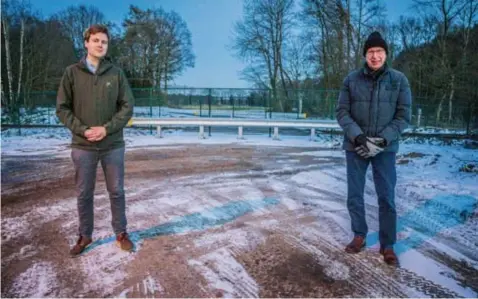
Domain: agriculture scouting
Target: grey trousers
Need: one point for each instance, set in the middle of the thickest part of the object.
(112, 162)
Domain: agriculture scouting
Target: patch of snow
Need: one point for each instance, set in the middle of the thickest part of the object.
(37, 281)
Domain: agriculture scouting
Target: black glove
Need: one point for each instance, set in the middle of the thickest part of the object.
(361, 140)
(368, 147)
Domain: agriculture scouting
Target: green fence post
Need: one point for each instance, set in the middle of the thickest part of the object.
(49, 116)
(200, 106)
(209, 104)
(468, 123)
(270, 111)
(151, 108)
(160, 102)
(264, 96)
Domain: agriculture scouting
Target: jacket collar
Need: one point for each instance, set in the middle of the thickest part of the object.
(375, 75)
(103, 65)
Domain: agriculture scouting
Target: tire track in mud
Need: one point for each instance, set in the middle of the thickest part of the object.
(407, 278)
(226, 274)
(416, 219)
(283, 270)
(420, 221)
(331, 258)
(403, 276)
(363, 277)
(222, 179)
(465, 274)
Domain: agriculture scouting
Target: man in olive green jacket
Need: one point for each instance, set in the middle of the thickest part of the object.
(95, 102)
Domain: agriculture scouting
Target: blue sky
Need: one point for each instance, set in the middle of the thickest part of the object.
(211, 25)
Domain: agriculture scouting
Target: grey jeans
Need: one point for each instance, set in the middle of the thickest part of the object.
(112, 162)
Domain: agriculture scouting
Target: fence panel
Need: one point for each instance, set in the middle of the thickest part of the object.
(38, 108)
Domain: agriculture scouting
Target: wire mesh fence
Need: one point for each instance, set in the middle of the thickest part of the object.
(38, 108)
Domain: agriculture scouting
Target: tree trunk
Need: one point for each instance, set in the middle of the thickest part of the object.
(350, 60)
(450, 98)
(358, 53)
(4, 103)
(274, 95)
(20, 71)
(440, 107)
(166, 82)
(9, 62)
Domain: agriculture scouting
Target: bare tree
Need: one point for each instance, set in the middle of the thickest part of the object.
(157, 45)
(14, 12)
(467, 18)
(6, 36)
(297, 62)
(336, 31)
(20, 64)
(141, 42)
(260, 40)
(28, 42)
(444, 13)
(413, 32)
(75, 19)
(42, 69)
(176, 47)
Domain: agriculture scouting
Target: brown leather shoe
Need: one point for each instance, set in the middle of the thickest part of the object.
(357, 244)
(123, 242)
(80, 246)
(389, 256)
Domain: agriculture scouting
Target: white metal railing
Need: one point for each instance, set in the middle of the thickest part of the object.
(236, 122)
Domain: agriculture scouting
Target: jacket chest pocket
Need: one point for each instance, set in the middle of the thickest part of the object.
(389, 92)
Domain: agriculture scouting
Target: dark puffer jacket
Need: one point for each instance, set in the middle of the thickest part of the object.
(377, 106)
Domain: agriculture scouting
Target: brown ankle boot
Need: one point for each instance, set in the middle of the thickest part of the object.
(357, 244)
(389, 256)
(80, 246)
(123, 242)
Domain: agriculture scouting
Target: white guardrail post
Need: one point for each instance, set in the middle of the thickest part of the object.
(276, 134)
(201, 132)
(239, 133)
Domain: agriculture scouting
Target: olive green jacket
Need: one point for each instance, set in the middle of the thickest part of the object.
(86, 100)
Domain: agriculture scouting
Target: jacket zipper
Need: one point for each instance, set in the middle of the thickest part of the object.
(370, 118)
(377, 91)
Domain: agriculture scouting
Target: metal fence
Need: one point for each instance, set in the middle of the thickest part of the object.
(38, 108)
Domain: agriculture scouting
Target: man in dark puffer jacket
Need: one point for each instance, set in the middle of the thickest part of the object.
(373, 110)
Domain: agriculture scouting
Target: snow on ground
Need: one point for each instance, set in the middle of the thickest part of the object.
(36, 282)
(437, 206)
(56, 140)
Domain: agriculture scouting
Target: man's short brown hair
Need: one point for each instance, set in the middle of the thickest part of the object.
(94, 29)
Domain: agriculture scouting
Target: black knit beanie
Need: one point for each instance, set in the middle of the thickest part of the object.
(375, 40)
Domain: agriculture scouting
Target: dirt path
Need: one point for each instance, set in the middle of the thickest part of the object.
(210, 221)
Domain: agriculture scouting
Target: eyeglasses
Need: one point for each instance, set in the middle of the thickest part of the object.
(378, 52)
